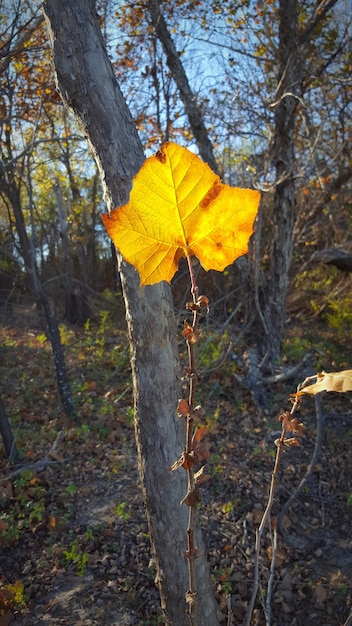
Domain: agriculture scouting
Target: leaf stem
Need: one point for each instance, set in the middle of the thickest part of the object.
(194, 288)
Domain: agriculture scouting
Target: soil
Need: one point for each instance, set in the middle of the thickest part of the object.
(73, 530)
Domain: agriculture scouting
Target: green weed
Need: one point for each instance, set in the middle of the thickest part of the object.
(339, 317)
(71, 489)
(123, 511)
(78, 558)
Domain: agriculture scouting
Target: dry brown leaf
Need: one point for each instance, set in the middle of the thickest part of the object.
(279, 556)
(200, 477)
(5, 619)
(257, 515)
(192, 498)
(183, 408)
(330, 381)
(320, 594)
(3, 526)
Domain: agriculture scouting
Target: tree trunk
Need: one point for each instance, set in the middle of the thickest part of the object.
(288, 93)
(270, 304)
(189, 99)
(88, 87)
(53, 332)
(7, 435)
(10, 188)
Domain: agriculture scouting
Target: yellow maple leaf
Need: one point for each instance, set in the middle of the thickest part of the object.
(177, 208)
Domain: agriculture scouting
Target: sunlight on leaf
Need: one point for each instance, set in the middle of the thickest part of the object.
(330, 381)
(178, 207)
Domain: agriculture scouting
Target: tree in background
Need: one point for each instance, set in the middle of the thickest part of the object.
(271, 85)
(21, 106)
(242, 82)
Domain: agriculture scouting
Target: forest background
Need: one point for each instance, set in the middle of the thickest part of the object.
(262, 92)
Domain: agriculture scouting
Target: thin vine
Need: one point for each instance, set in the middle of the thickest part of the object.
(196, 450)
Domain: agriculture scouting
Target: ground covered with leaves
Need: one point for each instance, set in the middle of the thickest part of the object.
(74, 540)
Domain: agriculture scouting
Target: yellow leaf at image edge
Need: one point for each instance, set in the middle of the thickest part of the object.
(177, 208)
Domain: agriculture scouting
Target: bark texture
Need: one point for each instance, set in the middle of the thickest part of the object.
(88, 87)
(265, 335)
(292, 76)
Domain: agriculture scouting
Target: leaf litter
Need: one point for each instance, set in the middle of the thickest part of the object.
(73, 531)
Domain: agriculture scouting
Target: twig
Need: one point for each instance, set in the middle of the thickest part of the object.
(348, 621)
(261, 530)
(229, 610)
(219, 362)
(316, 453)
(41, 464)
(290, 372)
(282, 443)
(38, 466)
(191, 553)
(271, 580)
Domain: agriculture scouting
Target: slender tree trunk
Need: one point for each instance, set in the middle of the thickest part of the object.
(7, 435)
(88, 87)
(53, 332)
(269, 302)
(288, 93)
(12, 191)
(189, 99)
(293, 41)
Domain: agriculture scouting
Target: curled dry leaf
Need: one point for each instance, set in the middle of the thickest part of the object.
(177, 463)
(194, 554)
(292, 424)
(201, 449)
(200, 477)
(183, 408)
(329, 381)
(198, 413)
(191, 597)
(187, 460)
(199, 434)
(202, 301)
(190, 334)
(292, 441)
(192, 498)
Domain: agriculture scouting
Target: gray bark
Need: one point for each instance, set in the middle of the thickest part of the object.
(266, 331)
(88, 87)
(287, 98)
(292, 71)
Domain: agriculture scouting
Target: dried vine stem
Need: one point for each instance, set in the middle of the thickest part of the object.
(289, 425)
(195, 449)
